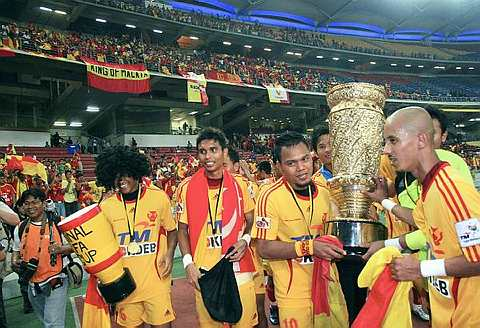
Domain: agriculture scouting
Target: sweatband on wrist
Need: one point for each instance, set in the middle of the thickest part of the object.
(304, 247)
(388, 204)
(395, 242)
(247, 238)
(433, 268)
(187, 260)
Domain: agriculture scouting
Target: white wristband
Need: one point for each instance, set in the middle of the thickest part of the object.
(388, 204)
(247, 238)
(395, 242)
(187, 260)
(433, 268)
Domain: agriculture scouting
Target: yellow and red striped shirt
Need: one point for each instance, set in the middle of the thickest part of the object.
(448, 212)
(277, 217)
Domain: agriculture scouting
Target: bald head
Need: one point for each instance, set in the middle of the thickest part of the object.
(408, 137)
(412, 120)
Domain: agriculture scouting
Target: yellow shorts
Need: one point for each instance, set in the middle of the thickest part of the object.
(259, 280)
(249, 317)
(154, 311)
(296, 317)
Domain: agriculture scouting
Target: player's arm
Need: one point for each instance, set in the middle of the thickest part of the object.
(184, 243)
(380, 195)
(265, 229)
(459, 266)
(7, 215)
(240, 247)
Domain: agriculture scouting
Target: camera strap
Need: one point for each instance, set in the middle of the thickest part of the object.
(42, 234)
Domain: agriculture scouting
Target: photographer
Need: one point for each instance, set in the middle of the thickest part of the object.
(37, 255)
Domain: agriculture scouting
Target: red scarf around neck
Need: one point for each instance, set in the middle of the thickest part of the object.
(233, 217)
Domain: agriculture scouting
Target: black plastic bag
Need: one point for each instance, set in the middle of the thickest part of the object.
(220, 292)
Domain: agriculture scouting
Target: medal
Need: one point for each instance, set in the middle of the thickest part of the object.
(133, 248)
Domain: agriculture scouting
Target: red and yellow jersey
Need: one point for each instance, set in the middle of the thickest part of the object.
(320, 179)
(277, 217)
(209, 248)
(153, 219)
(447, 212)
(386, 168)
(252, 188)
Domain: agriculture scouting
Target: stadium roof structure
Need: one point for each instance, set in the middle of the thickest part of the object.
(433, 20)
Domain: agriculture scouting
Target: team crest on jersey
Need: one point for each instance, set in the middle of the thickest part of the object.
(152, 216)
(263, 222)
(437, 236)
(468, 232)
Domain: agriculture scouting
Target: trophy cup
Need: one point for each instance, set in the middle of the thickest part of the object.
(356, 124)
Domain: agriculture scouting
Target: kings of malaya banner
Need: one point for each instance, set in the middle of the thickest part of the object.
(196, 88)
(277, 94)
(117, 77)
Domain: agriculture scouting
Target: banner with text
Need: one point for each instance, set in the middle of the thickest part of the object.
(277, 94)
(223, 76)
(117, 77)
(197, 88)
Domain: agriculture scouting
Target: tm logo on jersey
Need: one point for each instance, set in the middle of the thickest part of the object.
(214, 240)
(146, 247)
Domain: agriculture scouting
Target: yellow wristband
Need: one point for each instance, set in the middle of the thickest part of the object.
(304, 248)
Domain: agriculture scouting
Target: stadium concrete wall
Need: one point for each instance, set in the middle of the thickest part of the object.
(160, 140)
(24, 138)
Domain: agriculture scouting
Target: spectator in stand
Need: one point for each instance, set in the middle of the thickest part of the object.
(56, 193)
(69, 188)
(133, 143)
(7, 191)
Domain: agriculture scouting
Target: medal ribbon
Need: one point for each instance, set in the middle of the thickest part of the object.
(214, 218)
(310, 197)
(131, 231)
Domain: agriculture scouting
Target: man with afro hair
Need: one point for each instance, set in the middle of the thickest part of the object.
(142, 222)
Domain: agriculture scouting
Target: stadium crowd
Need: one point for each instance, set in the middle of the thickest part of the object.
(125, 49)
(230, 23)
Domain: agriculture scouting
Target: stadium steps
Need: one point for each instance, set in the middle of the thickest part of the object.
(57, 154)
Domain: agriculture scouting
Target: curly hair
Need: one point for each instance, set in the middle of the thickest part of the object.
(120, 161)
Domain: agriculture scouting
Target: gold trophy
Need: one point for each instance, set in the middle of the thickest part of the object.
(356, 131)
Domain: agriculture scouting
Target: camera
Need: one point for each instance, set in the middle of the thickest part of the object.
(49, 205)
(27, 270)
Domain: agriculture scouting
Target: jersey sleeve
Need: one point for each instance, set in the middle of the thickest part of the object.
(266, 218)
(181, 207)
(248, 203)
(419, 217)
(166, 214)
(467, 225)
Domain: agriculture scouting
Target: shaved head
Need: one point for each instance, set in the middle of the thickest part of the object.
(408, 137)
(412, 120)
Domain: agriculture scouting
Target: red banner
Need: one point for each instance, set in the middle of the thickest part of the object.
(117, 77)
(223, 76)
(6, 52)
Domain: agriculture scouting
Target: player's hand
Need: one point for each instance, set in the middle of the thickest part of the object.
(327, 251)
(238, 251)
(373, 248)
(380, 191)
(165, 264)
(405, 268)
(192, 275)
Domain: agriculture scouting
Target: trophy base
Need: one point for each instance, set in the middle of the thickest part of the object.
(118, 290)
(355, 234)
